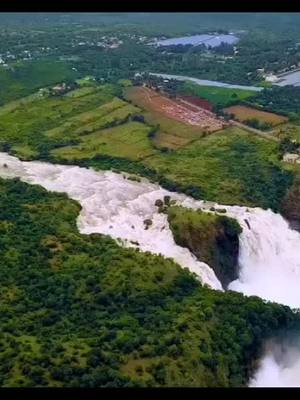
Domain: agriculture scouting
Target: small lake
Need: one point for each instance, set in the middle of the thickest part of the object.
(204, 82)
(290, 79)
(196, 40)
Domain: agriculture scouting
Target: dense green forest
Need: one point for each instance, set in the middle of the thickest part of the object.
(79, 310)
(212, 238)
(76, 37)
(255, 52)
(25, 78)
(284, 100)
(162, 23)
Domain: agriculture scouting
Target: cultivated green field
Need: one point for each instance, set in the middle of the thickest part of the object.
(35, 125)
(170, 133)
(81, 91)
(109, 113)
(217, 95)
(231, 167)
(92, 125)
(128, 140)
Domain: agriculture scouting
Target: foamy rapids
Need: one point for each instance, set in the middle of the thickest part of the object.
(269, 258)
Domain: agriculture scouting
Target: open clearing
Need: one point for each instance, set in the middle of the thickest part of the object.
(289, 130)
(113, 112)
(207, 105)
(171, 134)
(46, 122)
(128, 140)
(229, 166)
(217, 95)
(165, 140)
(243, 113)
(176, 110)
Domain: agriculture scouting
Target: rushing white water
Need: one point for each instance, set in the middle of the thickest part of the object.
(269, 256)
(112, 205)
(280, 367)
(269, 250)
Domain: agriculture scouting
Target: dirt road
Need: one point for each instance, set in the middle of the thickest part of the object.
(265, 135)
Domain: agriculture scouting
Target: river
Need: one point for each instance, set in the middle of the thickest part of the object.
(203, 82)
(269, 256)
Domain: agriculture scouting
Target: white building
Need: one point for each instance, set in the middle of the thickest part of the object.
(271, 78)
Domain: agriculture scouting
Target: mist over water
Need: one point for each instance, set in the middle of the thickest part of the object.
(269, 259)
(269, 256)
(280, 366)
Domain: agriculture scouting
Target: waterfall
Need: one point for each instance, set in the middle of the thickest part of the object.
(269, 258)
(280, 365)
(113, 206)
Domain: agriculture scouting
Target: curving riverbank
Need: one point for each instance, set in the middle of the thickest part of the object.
(269, 257)
(204, 82)
(269, 250)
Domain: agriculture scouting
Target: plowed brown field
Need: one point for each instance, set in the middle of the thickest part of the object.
(242, 113)
(179, 109)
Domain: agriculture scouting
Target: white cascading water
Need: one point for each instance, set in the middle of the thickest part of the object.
(280, 366)
(269, 250)
(113, 206)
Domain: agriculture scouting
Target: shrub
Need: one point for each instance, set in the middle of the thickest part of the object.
(159, 203)
(167, 200)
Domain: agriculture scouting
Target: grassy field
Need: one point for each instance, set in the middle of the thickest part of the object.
(96, 127)
(232, 167)
(288, 130)
(25, 78)
(51, 121)
(217, 95)
(243, 113)
(171, 134)
(128, 140)
(82, 91)
(114, 111)
(169, 141)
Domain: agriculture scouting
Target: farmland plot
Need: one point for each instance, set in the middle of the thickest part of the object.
(243, 113)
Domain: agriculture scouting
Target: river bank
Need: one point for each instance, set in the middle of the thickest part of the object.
(204, 82)
(269, 262)
(116, 206)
